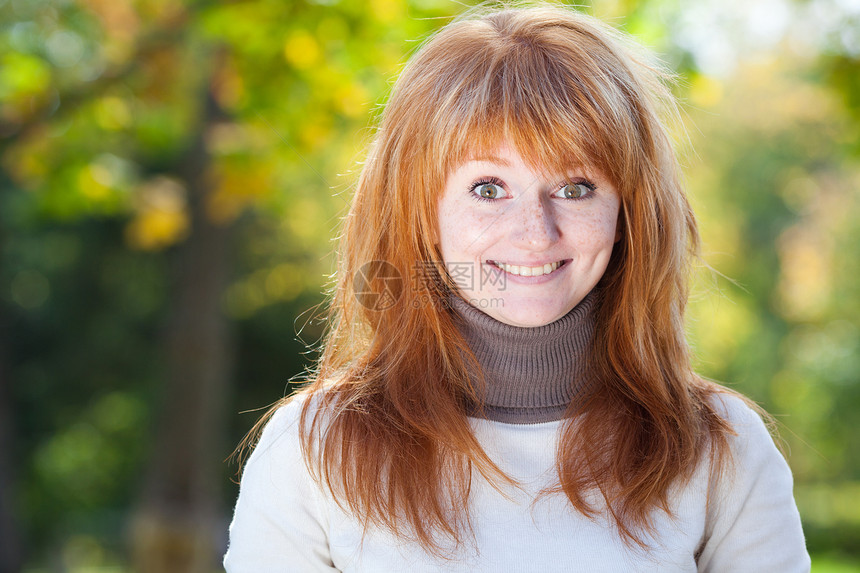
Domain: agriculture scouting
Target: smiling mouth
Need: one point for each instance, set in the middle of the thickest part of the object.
(525, 271)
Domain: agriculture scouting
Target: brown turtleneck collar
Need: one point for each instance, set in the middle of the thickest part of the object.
(531, 375)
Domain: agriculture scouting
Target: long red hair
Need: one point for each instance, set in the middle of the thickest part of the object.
(384, 426)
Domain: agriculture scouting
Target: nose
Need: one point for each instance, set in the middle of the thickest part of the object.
(533, 220)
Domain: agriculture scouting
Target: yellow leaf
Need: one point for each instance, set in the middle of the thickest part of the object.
(161, 219)
(301, 50)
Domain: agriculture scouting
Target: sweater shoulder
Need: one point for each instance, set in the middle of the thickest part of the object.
(743, 416)
(280, 434)
(751, 439)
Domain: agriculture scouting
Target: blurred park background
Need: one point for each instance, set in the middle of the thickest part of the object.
(172, 174)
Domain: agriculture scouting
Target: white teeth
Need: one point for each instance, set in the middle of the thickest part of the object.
(525, 271)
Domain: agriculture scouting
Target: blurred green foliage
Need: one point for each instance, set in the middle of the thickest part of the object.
(99, 98)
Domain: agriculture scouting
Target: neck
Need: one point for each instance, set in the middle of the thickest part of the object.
(530, 375)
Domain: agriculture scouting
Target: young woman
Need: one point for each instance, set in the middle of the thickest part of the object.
(506, 385)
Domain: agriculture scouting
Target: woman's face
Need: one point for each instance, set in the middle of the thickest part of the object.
(522, 246)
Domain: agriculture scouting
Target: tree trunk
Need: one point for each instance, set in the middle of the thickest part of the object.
(10, 541)
(176, 528)
(11, 551)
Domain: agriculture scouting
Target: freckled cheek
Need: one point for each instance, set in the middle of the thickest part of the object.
(593, 233)
(461, 236)
(476, 229)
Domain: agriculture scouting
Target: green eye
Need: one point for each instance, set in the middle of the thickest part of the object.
(575, 190)
(488, 190)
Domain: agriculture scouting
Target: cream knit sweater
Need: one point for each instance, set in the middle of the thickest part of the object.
(744, 520)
